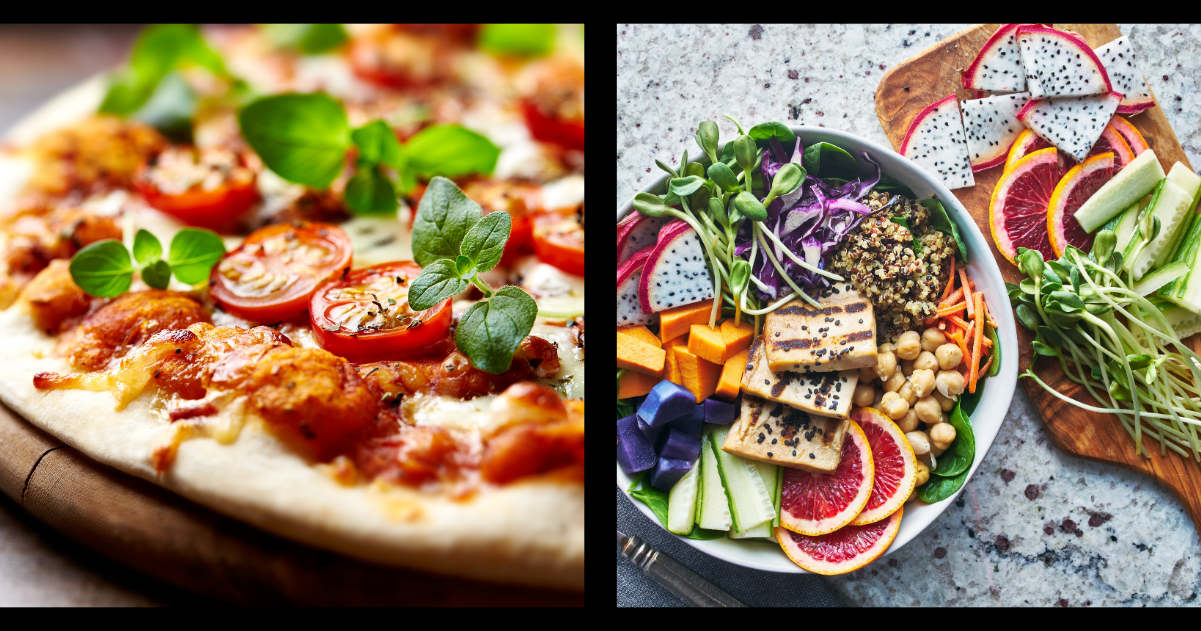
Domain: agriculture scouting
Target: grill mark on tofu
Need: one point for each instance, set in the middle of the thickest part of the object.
(789, 345)
(856, 307)
(859, 336)
(799, 310)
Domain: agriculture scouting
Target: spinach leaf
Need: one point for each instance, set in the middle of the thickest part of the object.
(823, 159)
(518, 39)
(892, 185)
(302, 137)
(490, 331)
(939, 488)
(764, 131)
(194, 252)
(701, 533)
(958, 459)
(654, 498)
(103, 269)
(901, 221)
(941, 222)
(969, 400)
(444, 216)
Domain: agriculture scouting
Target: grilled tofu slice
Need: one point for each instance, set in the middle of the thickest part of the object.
(839, 335)
(820, 393)
(783, 435)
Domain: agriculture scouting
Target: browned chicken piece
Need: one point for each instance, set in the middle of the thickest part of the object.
(312, 399)
(111, 331)
(542, 433)
(39, 233)
(97, 154)
(53, 298)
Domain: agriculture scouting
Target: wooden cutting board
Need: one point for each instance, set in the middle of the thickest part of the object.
(932, 75)
(164, 535)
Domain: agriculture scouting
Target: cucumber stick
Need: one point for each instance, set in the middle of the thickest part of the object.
(750, 503)
(1184, 322)
(1143, 228)
(1128, 186)
(1189, 182)
(681, 502)
(1186, 252)
(1123, 225)
(778, 493)
(714, 511)
(768, 472)
(1160, 277)
(1171, 207)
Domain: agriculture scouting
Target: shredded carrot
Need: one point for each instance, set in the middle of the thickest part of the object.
(946, 311)
(967, 288)
(984, 368)
(955, 297)
(959, 322)
(958, 337)
(987, 342)
(975, 366)
(950, 282)
(988, 315)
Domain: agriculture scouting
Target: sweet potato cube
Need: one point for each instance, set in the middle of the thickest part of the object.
(700, 376)
(737, 338)
(635, 384)
(676, 321)
(707, 343)
(640, 333)
(731, 377)
(639, 357)
(671, 370)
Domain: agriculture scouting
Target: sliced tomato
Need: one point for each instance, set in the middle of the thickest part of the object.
(553, 102)
(559, 239)
(272, 274)
(365, 315)
(399, 60)
(209, 188)
(565, 133)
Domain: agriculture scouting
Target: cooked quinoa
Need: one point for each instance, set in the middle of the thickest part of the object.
(878, 258)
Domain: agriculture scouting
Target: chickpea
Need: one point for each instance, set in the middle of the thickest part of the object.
(910, 422)
(863, 395)
(893, 406)
(887, 347)
(867, 375)
(943, 402)
(908, 392)
(886, 364)
(923, 476)
(923, 381)
(949, 356)
(894, 383)
(949, 383)
(877, 397)
(925, 361)
(919, 441)
(942, 435)
(908, 345)
(927, 410)
(932, 338)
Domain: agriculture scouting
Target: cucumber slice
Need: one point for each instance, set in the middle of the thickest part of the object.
(758, 531)
(1142, 230)
(750, 503)
(1189, 182)
(1125, 188)
(1160, 277)
(1123, 224)
(1186, 252)
(779, 491)
(772, 477)
(681, 503)
(1184, 322)
(714, 505)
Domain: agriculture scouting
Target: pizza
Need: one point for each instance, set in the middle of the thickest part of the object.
(326, 280)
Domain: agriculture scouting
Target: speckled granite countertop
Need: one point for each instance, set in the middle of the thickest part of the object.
(1034, 526)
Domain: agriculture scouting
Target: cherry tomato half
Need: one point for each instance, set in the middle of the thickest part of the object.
(559, 239)
(365, 315)
(399, 60)
(209, 188)
(553, 103)
(272, 274)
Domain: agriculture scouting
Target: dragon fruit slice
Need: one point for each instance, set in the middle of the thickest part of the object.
(935, 141)
(629, 307)
(998, 67)
(1118, 58)
(1072, 125)
(992, 126)
(1059, 63)
(636, 232)
(674, 273)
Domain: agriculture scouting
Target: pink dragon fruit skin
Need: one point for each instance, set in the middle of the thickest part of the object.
(675, 273)
(998, 66)
(636, 232)
(1073, 125)
(1118, 57)
(936, 142)
(629, 273)
(1060, 64)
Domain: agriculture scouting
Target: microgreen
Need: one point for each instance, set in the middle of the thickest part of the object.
(105, 268)
(518, 39)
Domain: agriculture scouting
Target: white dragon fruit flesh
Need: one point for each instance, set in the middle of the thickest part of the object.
(1072, 125)
(674, 273)
(992, 125)
(629, 273)
(1060, 64)
(935, 141)
(636, 232)
(998, 67)
(1118, 58)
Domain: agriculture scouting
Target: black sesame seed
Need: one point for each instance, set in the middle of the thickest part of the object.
(769, 454)
(812, 456)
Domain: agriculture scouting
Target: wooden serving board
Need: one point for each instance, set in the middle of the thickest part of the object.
(164, 535)
(933, 74)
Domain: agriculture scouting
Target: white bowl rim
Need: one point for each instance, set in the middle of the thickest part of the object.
(994, 403)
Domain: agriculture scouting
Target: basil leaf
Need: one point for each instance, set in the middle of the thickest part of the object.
(170, 108)
(764, 132)
(437, 282)
(159, 49)
(485, 242)
(369, 193)
(302, 137)
(310, 39)
(491, 330)
(443, 218)
(377, 144)
(103, 269)
(962, 453)
(942, 223)
(518, 39)
(450, 150)
(157, 274)
(194, 251)
(146, 248)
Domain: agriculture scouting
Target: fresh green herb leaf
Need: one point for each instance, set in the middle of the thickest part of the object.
(485, 242)
(310, 39)
(437, 282)
(464, 266)
(490, 332)
(159, 49)
(958, 459)
(157, 274)
(370, 194)
(449, 150)
(301, 137)
(940, 488)
(655, 499)
(377, 144)
(518, 39)
(146, 248)
(194, 251)
(170, 108)
(103, 269)
(443, 218)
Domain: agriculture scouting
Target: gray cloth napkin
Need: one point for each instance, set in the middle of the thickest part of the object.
(756, 588)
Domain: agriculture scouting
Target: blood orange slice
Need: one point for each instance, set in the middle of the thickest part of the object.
(1112, 142)
(845, 550)
(1137, 143)
(816, 503)
(1027, 143)
(1018, 211)
(894, 464)
(1073, 190)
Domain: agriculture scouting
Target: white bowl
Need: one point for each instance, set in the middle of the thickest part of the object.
(998, 392)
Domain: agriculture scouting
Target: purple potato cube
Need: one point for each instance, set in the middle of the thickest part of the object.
(720, 412)
(667, 472)
(651, 433)
(634, 452)
(679, 445)
(691, 424)
(666, 402)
